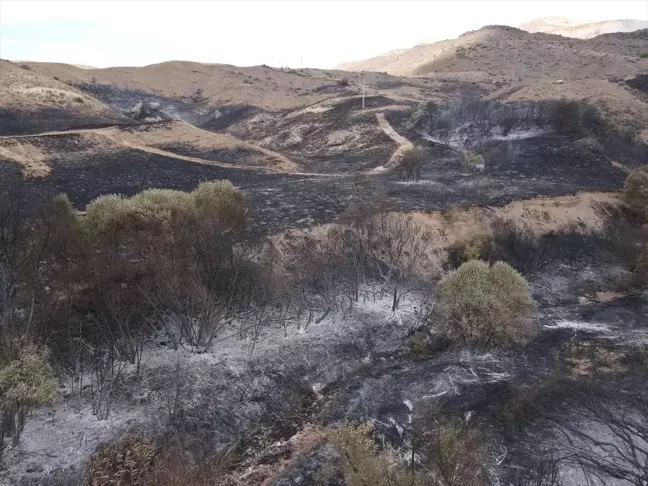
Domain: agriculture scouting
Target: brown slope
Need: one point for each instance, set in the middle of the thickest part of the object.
(506, 54)
(214, 85)
(31, 102)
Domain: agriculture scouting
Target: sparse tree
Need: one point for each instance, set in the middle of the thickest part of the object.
(399, 247)
(412, 164)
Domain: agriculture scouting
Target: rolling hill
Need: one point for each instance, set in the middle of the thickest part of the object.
(582, 30)
(506, 54)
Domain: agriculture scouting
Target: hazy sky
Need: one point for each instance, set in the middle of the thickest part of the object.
(279, 33)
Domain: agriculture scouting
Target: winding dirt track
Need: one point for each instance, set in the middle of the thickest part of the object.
(404, 145)
(105, 132)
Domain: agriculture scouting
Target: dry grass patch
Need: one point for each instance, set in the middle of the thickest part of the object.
(183, 133)
(31, 158)
(590, 358)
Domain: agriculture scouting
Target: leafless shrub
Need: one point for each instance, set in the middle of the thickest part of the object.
(608, 440)
(319, 270)
(412, 164)
(538, 468)
(399, 247)
(516, 245)
(635, 191)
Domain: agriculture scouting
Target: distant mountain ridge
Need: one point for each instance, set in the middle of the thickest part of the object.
(499, 53)
(580, 29)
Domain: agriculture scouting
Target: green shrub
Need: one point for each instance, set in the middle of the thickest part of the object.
(476, 246)
(417, 345)
(450, 454)
(26, 382)
(154, 209)
(485, 305)
(222, 202)
(101, 213)
(643, 55)
(364, 464)
(635, 191)
(472, 159)
(29, 380)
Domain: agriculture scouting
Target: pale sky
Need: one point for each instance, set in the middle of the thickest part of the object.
(294, 33)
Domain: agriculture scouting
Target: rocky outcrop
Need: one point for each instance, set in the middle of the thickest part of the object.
(147, 112)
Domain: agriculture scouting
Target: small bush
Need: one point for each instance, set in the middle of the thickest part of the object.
(565, 116)
(222, 201)
(473, 160)
(29, 380)
(417, 345)
(344, 82)
(643, 55)
(485, 305)
(411, 164)
(477, 246)
(448, 454)
(127, 461)
(635, 191)
(363, 463)
(26, 382)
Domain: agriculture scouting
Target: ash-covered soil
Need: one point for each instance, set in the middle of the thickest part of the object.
(333, 136)
(277, 201)
(353, 365)
(19, 122)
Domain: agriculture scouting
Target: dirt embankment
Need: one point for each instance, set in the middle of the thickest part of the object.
(540, 215)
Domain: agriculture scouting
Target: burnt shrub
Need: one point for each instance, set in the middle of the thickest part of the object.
(495, 152)
(565, 116)
(412, 164)
(635, 191)
(625, 145)
(516, 245)
(572, 245)
(573, 117)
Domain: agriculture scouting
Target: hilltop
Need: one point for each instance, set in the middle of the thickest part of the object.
(582, 30)
(31, 102)
(505, 54)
